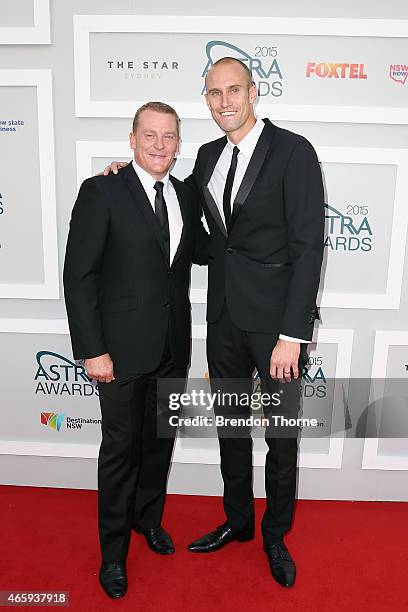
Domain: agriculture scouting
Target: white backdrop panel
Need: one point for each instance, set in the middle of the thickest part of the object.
(122, 61)
(26, 22)
(28, 227)
(389, 365)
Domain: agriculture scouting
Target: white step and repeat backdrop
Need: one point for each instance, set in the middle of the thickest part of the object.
(70, 83)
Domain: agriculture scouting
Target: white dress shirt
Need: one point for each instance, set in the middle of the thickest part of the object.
(219, 176)
(172, 203)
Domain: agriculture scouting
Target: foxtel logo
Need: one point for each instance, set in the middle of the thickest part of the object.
(325, 70)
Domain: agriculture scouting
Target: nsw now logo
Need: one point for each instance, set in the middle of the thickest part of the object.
(399, 73)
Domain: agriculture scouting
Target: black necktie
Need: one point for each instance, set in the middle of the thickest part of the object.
(226, 200)
(161, 213)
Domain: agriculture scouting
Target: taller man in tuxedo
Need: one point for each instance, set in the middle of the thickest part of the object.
(261, 191)
(262, 194)
(126, 277)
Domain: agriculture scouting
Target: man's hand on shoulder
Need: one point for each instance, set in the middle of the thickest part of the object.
(114, 167)
(284, 360)
(100, 368)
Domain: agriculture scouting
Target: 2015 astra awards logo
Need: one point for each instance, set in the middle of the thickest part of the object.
(314, 379)
(348, 232)
(58, 375)
(263, 63)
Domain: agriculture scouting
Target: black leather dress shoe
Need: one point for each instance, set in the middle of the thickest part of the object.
(283, 568)
(113, 579)
(219, 538)
(158, 540)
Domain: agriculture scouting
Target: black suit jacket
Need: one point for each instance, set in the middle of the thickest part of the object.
(268, 267)
(121, 295)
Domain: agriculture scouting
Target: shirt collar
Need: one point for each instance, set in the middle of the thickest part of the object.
(247, 145)
(147, 180)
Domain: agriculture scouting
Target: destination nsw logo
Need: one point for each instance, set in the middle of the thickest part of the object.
(263, 64)
(52, 419)
(350, 232)
(55, 421)
(58, 375)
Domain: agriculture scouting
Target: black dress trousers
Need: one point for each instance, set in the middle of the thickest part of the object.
(233, 354)
(133, 459)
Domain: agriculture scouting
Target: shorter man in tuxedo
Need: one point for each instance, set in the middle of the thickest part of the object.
(261, 191)
(131, 242)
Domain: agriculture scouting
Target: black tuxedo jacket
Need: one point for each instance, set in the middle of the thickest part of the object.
(268, 267)
(120, 293)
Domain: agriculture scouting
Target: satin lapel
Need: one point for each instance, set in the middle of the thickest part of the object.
(213, 208)
(253, 169)
(184, 213)
(140, 198)
(209, 169)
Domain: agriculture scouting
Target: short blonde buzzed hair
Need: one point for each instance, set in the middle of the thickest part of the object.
(159, 107)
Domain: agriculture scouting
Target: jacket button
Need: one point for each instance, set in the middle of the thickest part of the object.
(167, 305)
(229, 250)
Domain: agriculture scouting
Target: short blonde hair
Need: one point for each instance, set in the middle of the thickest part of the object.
(159, 107)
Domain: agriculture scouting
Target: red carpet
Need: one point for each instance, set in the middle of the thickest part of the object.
(350, 556)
